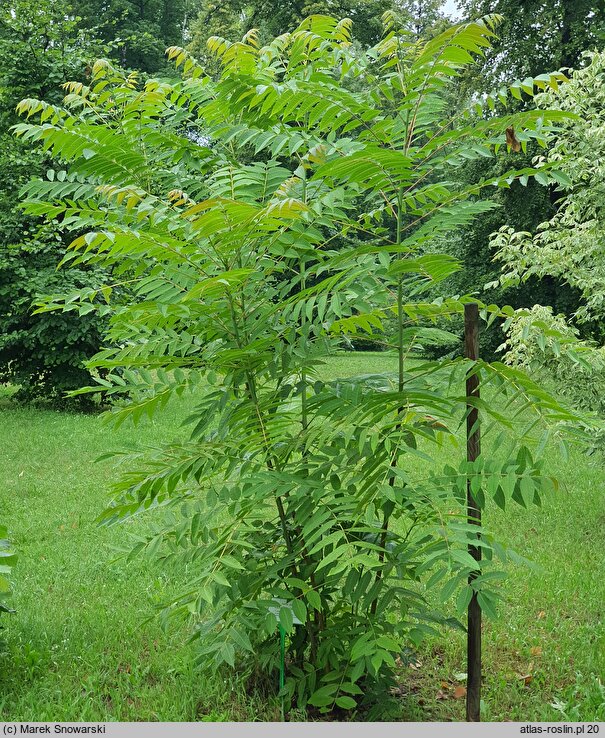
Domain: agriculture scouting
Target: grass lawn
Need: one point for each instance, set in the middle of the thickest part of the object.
(81, 646)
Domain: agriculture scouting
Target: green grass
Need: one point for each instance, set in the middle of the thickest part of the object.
(81, 645)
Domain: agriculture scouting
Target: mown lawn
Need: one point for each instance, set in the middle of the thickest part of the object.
(81, 645)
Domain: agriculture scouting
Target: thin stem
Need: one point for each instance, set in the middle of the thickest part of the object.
(303, 320)
(251, 388)
(318, 620)
(401, 353)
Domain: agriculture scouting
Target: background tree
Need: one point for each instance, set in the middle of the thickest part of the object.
(42, 45)
(531, 36)
(422, 18)
(40, 48)
(569, 247)
(232, 19)
(139, 31)
(536, 35)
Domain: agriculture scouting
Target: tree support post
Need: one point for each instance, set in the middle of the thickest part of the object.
(473, 449)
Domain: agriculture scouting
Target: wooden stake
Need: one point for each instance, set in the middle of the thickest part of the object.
(473, 449)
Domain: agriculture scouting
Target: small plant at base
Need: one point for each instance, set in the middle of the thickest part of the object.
(7, 561)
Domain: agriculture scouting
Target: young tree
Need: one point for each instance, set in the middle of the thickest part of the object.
(8, 558)
(306, 505)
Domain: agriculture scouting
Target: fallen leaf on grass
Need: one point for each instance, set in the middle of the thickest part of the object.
(528, 676)
(448, 691)
(536, 650)
(541, 615)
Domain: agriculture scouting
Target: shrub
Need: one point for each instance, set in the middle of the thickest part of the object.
(44, 355)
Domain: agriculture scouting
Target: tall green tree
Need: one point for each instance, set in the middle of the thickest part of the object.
(423, 18)
(233, 18)
(301, 505)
